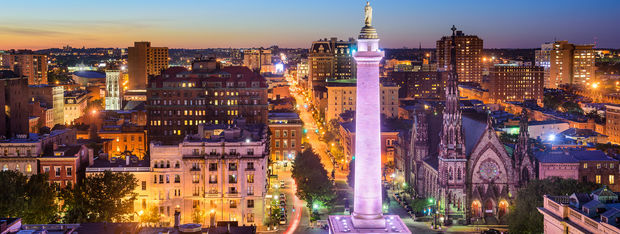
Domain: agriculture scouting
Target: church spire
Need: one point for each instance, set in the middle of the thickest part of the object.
(452, 139)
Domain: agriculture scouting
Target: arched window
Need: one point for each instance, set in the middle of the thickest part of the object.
(450, 173)
(167, 164)
(458, 175)
(28, 168)
(161, 164)
(177, 165)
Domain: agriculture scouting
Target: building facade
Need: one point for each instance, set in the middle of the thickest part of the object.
(75, 105)
(612, 124)
(341, 97)
(468, 56)
(28, 64)
(125, 139)
(179, 100)
(14, 99)
(144, 61)
(286, 132)
(419, 84)
(66, 165)
(571, 64)
(52, 97)
(256, 59)
(220, 173)
(114, 90)
(542, 58)
(509, 83)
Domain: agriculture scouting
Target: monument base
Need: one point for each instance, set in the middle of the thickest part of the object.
(344, 224)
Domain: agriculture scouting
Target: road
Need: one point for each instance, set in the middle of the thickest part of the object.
(320, 147)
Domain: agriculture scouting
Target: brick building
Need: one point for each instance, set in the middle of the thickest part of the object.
(419, 84)
(286, 131)
(468, 55)
(14, 100)
(508, 82)
(66, 165)
(587, 166)
(179, 100)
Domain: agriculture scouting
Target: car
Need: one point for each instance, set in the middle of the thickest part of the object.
(282, 183)
(282, 203)
(282, 220)
(282, 197)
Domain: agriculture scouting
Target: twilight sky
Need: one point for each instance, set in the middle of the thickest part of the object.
(41, 24)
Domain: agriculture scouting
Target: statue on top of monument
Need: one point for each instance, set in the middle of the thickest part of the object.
(368, 14)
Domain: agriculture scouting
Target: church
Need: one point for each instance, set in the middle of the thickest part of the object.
(460, 162)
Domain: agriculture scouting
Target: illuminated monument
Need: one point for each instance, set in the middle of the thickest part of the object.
(367, 214)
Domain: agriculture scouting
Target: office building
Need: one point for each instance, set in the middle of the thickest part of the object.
(27, 63)
(419, 84)
(342, 95)
(571, 64)
(330, 60)
(144, 61)
(511, 82)
(468, 56)
(180, 100)
(542, 58)
(220, 172)
(114, 90)
(14, 101)
(612, 125)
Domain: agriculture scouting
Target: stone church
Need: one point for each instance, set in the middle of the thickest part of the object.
(459, 160)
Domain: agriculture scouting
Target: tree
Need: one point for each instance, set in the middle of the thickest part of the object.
(197, 215)
(32, 199)
(351, 175)
(151, 216)
(313, 184)
(524, 216)
(106, 197)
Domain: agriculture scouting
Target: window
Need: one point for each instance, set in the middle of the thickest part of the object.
(250, 151)
(57, 170)
(233, 204)
(292, 143)
(213, 179)
(250, 190)
(143, 185)
(177, 165)
(250, 203)
(250, 178)
(292, 133)
(177, 179)
(277, 143)
(28, 168)
(232, 166)
(611, 179)
(250, 166)
(598, 179)
(195, 179)
(284, 133)
(161, 179)
(277, 133)
(598, 166)
(611, 165)
(585, 166)
(250, 217)
(69, 171)
(167, 179)
(232, 179)
(212, 166)
(285, 144)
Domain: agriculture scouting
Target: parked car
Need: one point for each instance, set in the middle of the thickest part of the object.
(282, 183)
(282, 203)
(282, 197)
(282, 220)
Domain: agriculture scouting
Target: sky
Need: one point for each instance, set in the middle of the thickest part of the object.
(38, 24)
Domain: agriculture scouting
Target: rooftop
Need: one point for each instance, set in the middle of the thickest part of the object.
(572, 156)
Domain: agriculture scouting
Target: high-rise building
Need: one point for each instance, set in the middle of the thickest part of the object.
(367, 216)
(256, 59)
(330, 59)
(145, 61)
(468, 56)
(113, 90)
(342, 96)
(511, 82)
(179, 100)
(542, 58)
(14, 101)
(419, 84)
(571, 64)
(28, 64)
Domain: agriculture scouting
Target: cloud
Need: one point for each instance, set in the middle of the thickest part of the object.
(30, 31)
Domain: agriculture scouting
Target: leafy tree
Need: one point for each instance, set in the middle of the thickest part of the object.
(351, 175)
(151, 216)
(32, 199)
(106, 197)
(313, 183)
(197, 215)
(524, 217)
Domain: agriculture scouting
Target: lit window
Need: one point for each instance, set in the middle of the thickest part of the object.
(611, 179)
(598, 179)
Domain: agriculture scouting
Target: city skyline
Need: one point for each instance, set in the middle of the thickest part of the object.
(293, 24)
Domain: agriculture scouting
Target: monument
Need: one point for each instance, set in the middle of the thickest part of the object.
(367, 216)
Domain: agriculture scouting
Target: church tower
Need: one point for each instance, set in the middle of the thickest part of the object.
(452, 159)
(524, 163)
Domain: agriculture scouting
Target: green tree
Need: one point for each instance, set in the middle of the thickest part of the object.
(106, 197)
(524, 216)
(32, 199)
(313, 183)
(151, 216)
